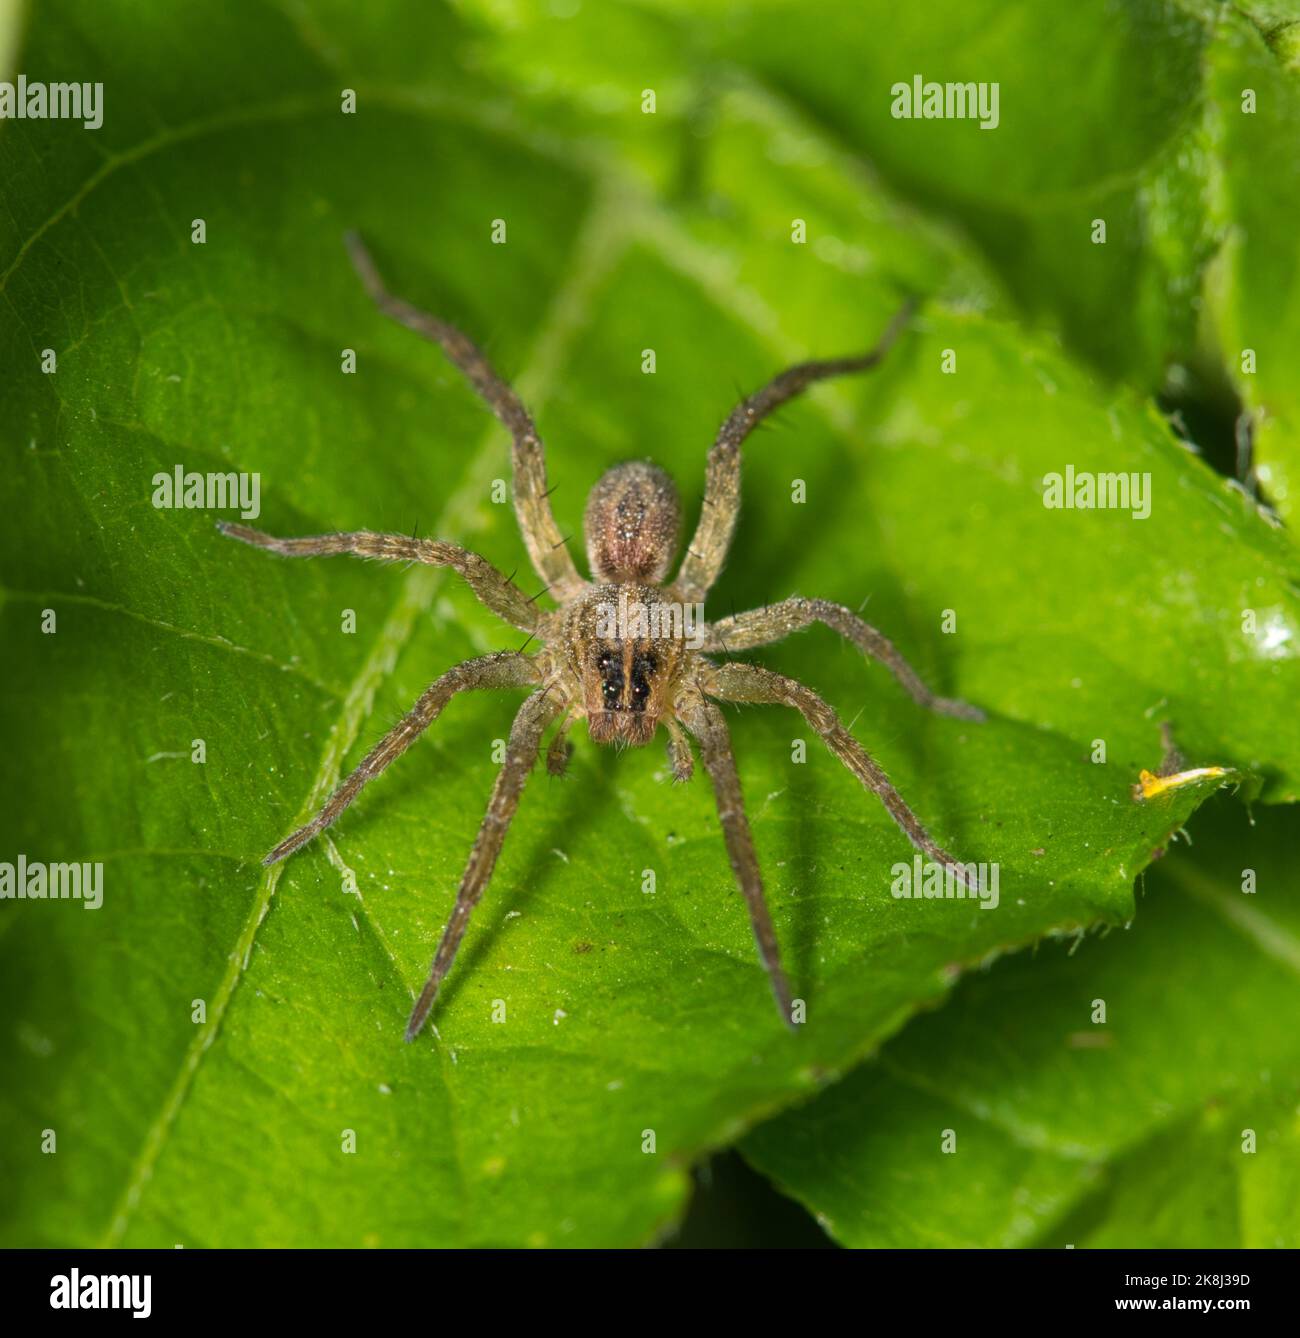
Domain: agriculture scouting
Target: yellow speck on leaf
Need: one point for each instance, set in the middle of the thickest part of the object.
(1149, 784)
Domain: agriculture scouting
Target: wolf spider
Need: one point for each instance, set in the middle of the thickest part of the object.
(624, 679)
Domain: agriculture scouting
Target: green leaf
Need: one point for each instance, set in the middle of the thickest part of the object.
(1197, 190)
(1172, 1124)
(1134, 70)
(626, 1012)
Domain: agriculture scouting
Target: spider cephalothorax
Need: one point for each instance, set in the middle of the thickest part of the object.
(622, 652)
(627, 651)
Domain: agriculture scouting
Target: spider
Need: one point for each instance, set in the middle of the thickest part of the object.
(617, 651)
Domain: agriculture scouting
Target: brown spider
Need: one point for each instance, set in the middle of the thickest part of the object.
(620, 650)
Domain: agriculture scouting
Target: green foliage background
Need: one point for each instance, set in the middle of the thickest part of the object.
(629, 1012)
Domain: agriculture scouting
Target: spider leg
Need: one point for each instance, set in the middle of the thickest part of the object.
(707, 550)
(521, 752)
(505, 669)
(493, 590)
(706, 722)
(679, 752)
(761, 627)
(542, 536)
(748, 683)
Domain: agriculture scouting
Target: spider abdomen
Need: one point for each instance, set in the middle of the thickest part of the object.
(632, 523)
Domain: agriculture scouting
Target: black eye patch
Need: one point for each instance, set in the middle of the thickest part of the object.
(643, 666)
(611, 673)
